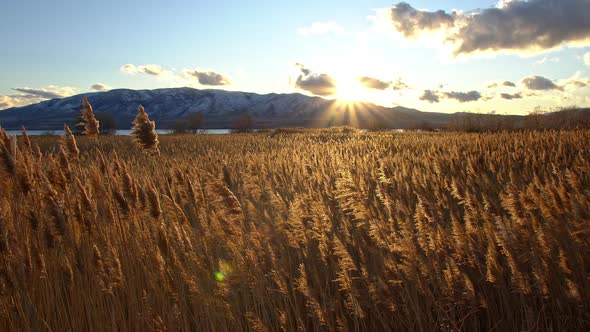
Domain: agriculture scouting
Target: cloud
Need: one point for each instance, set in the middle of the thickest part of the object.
(100, 87)
(153, 70)
(522, 26)
(373, 83)
(577, 83)
(400, 85)
(129, 68)
(209, 77)
(495, 85)
(5, 102)
(433, 96)
(41, 93)
(303, 70)
(18, 100)
(411, 22)
(318, 84)
(52, 91)
(204, 77)
(545, 60)
(430, 96)
(321, 28)
(30, 95)
(463, 97)
(511, 96)
(539, 83)
(587, 59)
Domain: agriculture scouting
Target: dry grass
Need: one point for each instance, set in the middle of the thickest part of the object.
(334, 231)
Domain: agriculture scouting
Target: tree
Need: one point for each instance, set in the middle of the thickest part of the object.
(191, 124)
(534, 120)
(195, 122)
(108, 124)
(243, 124)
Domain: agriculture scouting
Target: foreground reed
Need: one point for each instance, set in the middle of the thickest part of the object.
(317, 231)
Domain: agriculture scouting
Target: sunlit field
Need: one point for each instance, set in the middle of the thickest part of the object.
(319, 230)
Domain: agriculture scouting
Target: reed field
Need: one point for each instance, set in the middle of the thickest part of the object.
(319, 230)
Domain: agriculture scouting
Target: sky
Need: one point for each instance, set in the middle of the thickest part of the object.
(504, 57)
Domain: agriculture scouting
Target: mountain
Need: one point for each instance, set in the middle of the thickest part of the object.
(221, 108)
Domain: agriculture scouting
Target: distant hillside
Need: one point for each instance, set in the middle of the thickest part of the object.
(221, 108)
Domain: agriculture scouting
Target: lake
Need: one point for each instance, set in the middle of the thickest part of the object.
(123, 132)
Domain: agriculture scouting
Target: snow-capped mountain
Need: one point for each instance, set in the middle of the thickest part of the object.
(219, 108)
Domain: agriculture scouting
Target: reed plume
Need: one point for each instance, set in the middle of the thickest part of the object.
(69, 145)
(88, 120)
(26, 140)
(144, 132)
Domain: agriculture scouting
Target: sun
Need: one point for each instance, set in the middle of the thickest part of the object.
(349, 89)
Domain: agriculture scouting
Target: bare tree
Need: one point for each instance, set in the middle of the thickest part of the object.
(243, 124)
(189, 124)
(108, 124)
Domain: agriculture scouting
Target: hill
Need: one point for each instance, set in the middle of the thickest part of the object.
(221, 108)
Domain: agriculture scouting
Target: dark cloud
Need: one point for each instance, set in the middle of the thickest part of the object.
(463, 97)
(400, 85)
(539, 83)
(517, 25)
(100, 87)
(318, 84)
(433, 96)
(504, 84)
(410, 22)
(209, 78)
(41, 93)
(535, 24)
(508, 83)
(151, 70)
(510, 96)
(304, 70)
(373, 83)
(430, 96)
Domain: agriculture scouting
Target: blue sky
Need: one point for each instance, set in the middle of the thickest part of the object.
(64, 47)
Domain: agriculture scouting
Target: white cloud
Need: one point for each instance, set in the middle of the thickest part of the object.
(545, 60)
(151, 69)
(576, 81)
(100, 87)
(321, 28)
(587, 59)
(29, 96)
(184, 77)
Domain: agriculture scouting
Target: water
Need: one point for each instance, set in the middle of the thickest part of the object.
(124, 132)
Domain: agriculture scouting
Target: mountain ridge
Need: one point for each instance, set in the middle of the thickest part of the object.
(221, 108)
